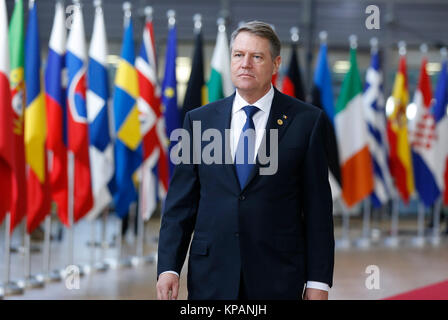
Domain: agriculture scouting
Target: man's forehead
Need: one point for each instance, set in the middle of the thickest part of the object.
(247, 41)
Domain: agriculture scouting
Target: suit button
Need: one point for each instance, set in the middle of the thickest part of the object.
(242, 198)
(237, 234)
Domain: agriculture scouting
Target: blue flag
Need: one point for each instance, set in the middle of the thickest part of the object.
(169, 92)
(128, 146)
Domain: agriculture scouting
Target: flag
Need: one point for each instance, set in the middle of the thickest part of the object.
(375, 117)
(6, 119)
(55, 94)
(77, 121)
(400, 162)
(17, 79)
(155, 172)
(423, 141)
(292, 82)
(128, 146)
(196, 94)
(219, 84)
(169, 91)
(101, 149)
(356, 164)
(38, 189)
(322, 97)
(441, 119)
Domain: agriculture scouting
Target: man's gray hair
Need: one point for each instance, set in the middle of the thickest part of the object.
(262, 30)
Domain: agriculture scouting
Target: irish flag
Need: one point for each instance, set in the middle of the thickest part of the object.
(219, 84)
(356, 164)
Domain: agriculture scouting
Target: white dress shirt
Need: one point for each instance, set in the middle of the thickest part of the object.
(260, 119)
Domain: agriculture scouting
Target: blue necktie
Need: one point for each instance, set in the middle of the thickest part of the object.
(245, 151)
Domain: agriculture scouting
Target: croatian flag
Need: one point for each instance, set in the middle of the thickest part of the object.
(101, 149)
(78, 130)
(441, 118)
(424, 141)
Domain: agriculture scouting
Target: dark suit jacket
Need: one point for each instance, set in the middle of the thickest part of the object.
(278, 230)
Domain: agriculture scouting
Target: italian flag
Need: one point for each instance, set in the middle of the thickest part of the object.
(351, 130)
(219, 84)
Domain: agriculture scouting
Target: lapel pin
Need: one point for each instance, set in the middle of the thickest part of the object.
(285, 117)
(280, 121)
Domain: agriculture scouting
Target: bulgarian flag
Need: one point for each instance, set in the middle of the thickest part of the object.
(6, 127)
(351, 130)
(219, 84)
(400, 161)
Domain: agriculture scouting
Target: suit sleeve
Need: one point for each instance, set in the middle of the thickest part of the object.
(179, 214)
(318, 208)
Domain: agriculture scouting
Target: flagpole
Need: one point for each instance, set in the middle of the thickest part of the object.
(344, 242)
(419, 240)
(435, 240)
(9, 287)
(364, 241)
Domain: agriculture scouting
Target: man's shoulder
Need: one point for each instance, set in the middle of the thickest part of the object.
(300, 107)
(209, 108)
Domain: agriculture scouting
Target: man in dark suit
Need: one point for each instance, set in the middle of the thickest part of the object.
(256, 236)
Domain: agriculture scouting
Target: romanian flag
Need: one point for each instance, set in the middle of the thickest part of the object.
(36, 128)
(351, 129)
(6, 118)
(17, 55)
(128, 144)
(55, 94)
(400, 161)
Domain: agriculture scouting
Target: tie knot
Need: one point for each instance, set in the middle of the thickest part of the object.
(250, 111)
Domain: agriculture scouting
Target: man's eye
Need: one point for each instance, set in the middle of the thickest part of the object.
(237, 55)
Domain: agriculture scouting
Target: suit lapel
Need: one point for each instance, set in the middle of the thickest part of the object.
(222, 122)
(279, 119)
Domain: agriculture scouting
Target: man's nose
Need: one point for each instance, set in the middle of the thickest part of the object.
(246, 61)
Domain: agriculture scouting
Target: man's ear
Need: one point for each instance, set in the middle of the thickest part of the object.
(277, 63)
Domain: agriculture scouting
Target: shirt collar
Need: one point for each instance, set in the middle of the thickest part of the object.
(264, 103)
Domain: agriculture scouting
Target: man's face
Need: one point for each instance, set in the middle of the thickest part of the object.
(251, 64)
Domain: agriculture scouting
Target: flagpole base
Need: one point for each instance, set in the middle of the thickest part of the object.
(13, 289)
(54, 276)
(128, 262)
(435, 241)
(151, 258)
(18, 249)
(363, 243)
(392, 242)
(101, 267)
(35, 282)
(343, 243)
(418, 242)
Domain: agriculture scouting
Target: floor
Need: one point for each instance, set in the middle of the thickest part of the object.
(399, 269)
